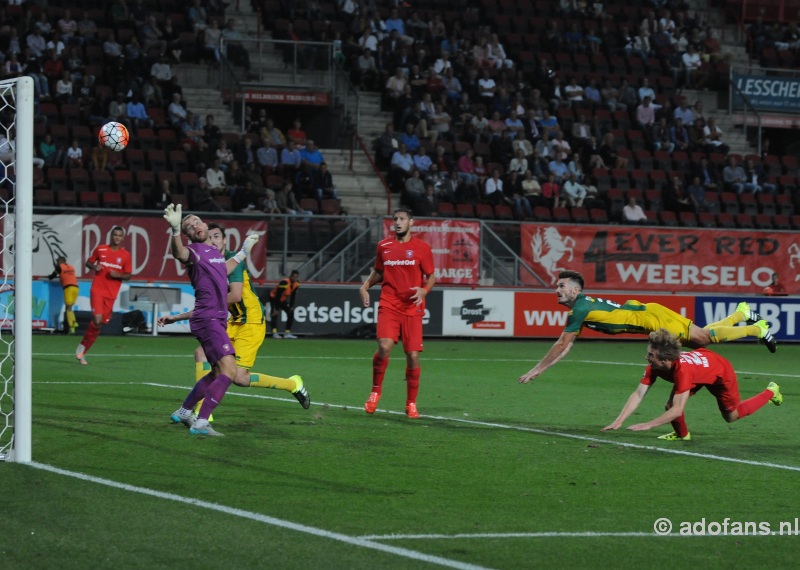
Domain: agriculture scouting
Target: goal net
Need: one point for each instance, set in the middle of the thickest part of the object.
(16, 224)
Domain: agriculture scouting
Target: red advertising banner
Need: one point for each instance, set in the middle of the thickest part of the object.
(455, 245)
(540, 315)
(677, 260)
(148, 241)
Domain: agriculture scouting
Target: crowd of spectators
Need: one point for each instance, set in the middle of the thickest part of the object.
(464, 103)
(116, 62)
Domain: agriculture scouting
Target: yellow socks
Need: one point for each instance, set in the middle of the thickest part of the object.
(200, 370)
(726, 333)
(273, 382)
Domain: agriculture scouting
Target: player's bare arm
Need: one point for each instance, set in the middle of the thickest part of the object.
(169, 319)
(374, 278)
(234, 292)
(630, 406)
(558, 351)
(676, 411)
(114, 274)
(421, 292)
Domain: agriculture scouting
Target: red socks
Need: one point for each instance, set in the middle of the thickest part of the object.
(91, 334)
(412, 384)
(680, 427)
(752, 404)
(379, 365)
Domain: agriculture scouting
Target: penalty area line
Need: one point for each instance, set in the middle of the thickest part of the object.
(264, 519)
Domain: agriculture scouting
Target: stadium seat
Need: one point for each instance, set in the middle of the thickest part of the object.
(44, 197)
(747, 203)
(330, 207)
(89, 199)
(726, 220)
(795, 222)
(561, 215)
(79, 179)
(686, 219)
(111, 199)
(157, 159)
(763, 222)
(503, 212)
(598, 216)
(465, 211)
(178, 160)
(542, 214)
(135, 158)
(706, 220)
(781, 222)
(484, 212)
(67, 198)
(145, 183)
(766, 204)
(309, 204)
(579, 215)
(321, 233)
(123, 181)
(101, 180)
(782, 201)
(446, 210)
(744, 221)
(134, 200)
(729, 203)
(668, 218)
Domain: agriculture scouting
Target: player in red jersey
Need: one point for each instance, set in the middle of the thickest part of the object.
(112, 266)
(690, 372)
(404, 267)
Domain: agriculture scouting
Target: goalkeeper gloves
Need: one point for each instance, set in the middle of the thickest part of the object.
(248, 244)
(172, 214)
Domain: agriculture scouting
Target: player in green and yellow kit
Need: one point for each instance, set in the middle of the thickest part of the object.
(634, 317)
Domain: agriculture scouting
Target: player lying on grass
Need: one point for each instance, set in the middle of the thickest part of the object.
(246, 329)
(639, 318)
(690, 372)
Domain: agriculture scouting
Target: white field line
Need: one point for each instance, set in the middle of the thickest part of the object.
(272, 521)
(553, 534)
(641, 365)
(549, 433)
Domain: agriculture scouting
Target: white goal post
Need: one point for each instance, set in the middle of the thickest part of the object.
(16, 215)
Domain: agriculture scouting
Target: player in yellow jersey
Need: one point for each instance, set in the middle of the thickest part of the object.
(640, 318)
(246, 328)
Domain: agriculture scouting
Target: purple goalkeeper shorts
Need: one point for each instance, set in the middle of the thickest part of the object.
(212, 334)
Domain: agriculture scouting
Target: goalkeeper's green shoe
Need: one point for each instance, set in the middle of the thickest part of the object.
(674, 437)
(749, 314)
(777, 399)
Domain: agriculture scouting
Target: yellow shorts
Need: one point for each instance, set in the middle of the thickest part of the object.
(247, 339)
(70, 296)
(660, 317)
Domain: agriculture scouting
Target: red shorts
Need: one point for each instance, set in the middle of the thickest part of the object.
(407, 328)
(725, 390)
(101, 306)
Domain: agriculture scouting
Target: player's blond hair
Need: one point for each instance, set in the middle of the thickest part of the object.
(665, 344)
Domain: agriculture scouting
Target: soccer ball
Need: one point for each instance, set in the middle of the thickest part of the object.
(114, 135)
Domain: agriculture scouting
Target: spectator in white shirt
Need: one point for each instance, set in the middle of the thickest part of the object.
(632, 213)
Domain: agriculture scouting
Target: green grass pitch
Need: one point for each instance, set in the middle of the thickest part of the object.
(494, 475)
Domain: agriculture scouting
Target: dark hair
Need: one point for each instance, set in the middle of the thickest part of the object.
(216, 226)
(120, 228)
(573, 275)
(665, 344)
(408, 211)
